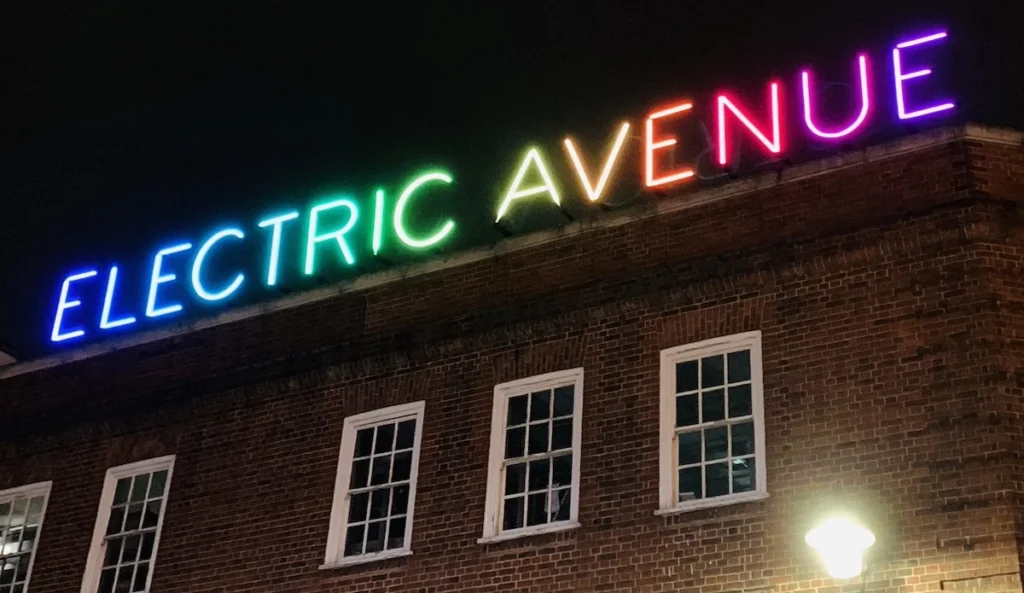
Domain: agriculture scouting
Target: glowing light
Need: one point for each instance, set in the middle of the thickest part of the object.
(378, 221)
(275, 242)
(158, 278)
(901, 107)
(64, 304)
(403, 201)
(339, 235)
(108, 300)
(865, 102)
(774, 145)
(841, 543)
(650, 146)
(514, 193)
(595, 192)
(197, 267)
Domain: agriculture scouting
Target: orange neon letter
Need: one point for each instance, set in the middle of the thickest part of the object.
(650, 146)
(595, 192)
(774, 145)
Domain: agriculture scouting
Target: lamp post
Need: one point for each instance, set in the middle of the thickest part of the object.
(841, 543)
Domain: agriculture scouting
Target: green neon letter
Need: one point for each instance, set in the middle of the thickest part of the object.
(197, 267)
(378, 221)
(403, 200)
(514, 193)
(339, 235)
(275, 242)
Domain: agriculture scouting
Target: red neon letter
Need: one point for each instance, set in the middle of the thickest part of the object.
(774, 145)
(865, 102)
(650, 146)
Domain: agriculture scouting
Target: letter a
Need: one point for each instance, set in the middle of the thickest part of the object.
(514, 192)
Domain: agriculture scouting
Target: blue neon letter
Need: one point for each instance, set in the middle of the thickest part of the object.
(65, 304)
(108, 300)
(197, 267)
(158, 279)
(339, 235)
(275, 242)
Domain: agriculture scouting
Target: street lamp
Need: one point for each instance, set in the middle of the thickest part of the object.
(841, 543)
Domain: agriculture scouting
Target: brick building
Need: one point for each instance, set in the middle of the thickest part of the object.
(664, 400)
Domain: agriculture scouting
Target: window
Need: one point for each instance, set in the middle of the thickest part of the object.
(375, 489)
(127, 530)
(712, 433)
(21, 519)
(533, 474)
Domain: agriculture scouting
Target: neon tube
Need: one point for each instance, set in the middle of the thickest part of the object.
(514, 193)
(157, 279)
(901, 107)
(403, 201)
(378, 221)
(275, 242)
(650, 146)
(594, 193)
(64, 304)
(197, 266)
(865, 102)
(774, 145)
(108, 298)
(339, 235)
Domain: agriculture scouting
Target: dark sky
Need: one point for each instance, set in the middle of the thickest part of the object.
(131, 124)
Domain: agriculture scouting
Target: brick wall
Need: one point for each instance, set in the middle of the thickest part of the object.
(890, 296)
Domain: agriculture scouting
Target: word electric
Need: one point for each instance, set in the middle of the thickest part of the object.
(331, 224)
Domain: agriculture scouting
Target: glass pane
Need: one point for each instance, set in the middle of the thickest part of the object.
(112, 555)
(539, 478)
(402, 468)
(712, 371)
(28, 538)
(375, 536)
(124, 486)
(379, 503)
(561, 504)
(686, 410)
(537, 509)
(716, 443)
(364, 443)
(130, 552)
(357, 507)
(19, 588)
(540, 405)
(385, 439)
(714, 405)
(107, 577)
(147, 546)
(739, 366)
(400, 500)
(5, 509)
(18, 512)
(689, 448)
(156, 489)
(743, 439)
(515, 442)
(381, 469)
(564, 397)
(140, 487)
(360, 474)
(686, 376)
(739, 401)
(561, 434)
(538, 438)
(561, 470)
(354, 540)
(133, 518)
(689, 484)
(141, 572)
(152, 514)
(35, 508)
(516, 410)
(7, 572)
(515, 479)
(396, 533)
(744, 477)
(512, 517)
(717, 479)
(22, 571)
(124, 580)
(406, 434)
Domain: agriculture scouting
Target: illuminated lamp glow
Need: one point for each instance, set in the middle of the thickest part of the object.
(403, 200)
(378, 221)
(865, 102)
(514, 193)
(594, 193)
(64, 304)
(774, 145)
(108, 300)
(650, 146)
(339, 235)
(197, 267)
(901, 107)
(157, 279)
(275, 242)
(841, 544)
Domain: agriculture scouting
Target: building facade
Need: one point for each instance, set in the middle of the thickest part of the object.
(665, 400)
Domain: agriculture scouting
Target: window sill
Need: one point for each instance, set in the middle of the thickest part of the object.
(502, 537)
(365, 559)
(710, 503)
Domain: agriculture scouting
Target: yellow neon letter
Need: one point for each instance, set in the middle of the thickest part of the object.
(594, 193)
(514, 193)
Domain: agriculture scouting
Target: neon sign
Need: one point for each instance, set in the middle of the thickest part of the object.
(331, 230)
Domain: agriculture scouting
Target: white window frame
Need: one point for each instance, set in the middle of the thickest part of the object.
(31, 491)
(668, 497)
(492, 531)
(94, 562)
(335, 554)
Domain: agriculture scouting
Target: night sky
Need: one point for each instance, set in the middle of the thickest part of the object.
(130, 125)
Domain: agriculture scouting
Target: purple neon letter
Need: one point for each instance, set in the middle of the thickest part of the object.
(901, 77)
(865, 102)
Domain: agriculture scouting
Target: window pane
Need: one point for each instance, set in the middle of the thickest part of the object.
(379, 503)
(739, 366)
(124, 580)
(354, 540)
(364, 443)
(516, 410)
(540, 405)
(714, 405)
(743, 439)
(686, 410)
(712, 371)
(744, 477)
(385, 439)
(539, 478)
(561, 470)
(151, 514)
(561, 434)
(562, 504)
(112, 554)
(107, 577)
(360, 474)
(717, 479)
(28, 538)
(538, 438)
(375, 536)
(716, 443)
(124, 486)
(381, 470)
(689, 484)
(406, 434)
(686, 376)
(537, 509)
(22, 571)
(357, 507)
(396, 533)
(18, 512)
(146, 552)
(140, 486)
(35, 508)
(156, 489)
(512, 517)
(515, 478)
(564, 396)
(400, 500)
(130, 551)
(739, 401)
(402, 467)
(7, 573)
(133, 518)
(689, 447)
(140, 577)
(515, 442)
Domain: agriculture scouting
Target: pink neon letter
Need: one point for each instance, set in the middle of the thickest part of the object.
(650, 146)
(901, 107)
(774, 145)
(865, 102)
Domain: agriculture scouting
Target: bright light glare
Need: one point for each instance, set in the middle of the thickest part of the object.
(841, 543)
